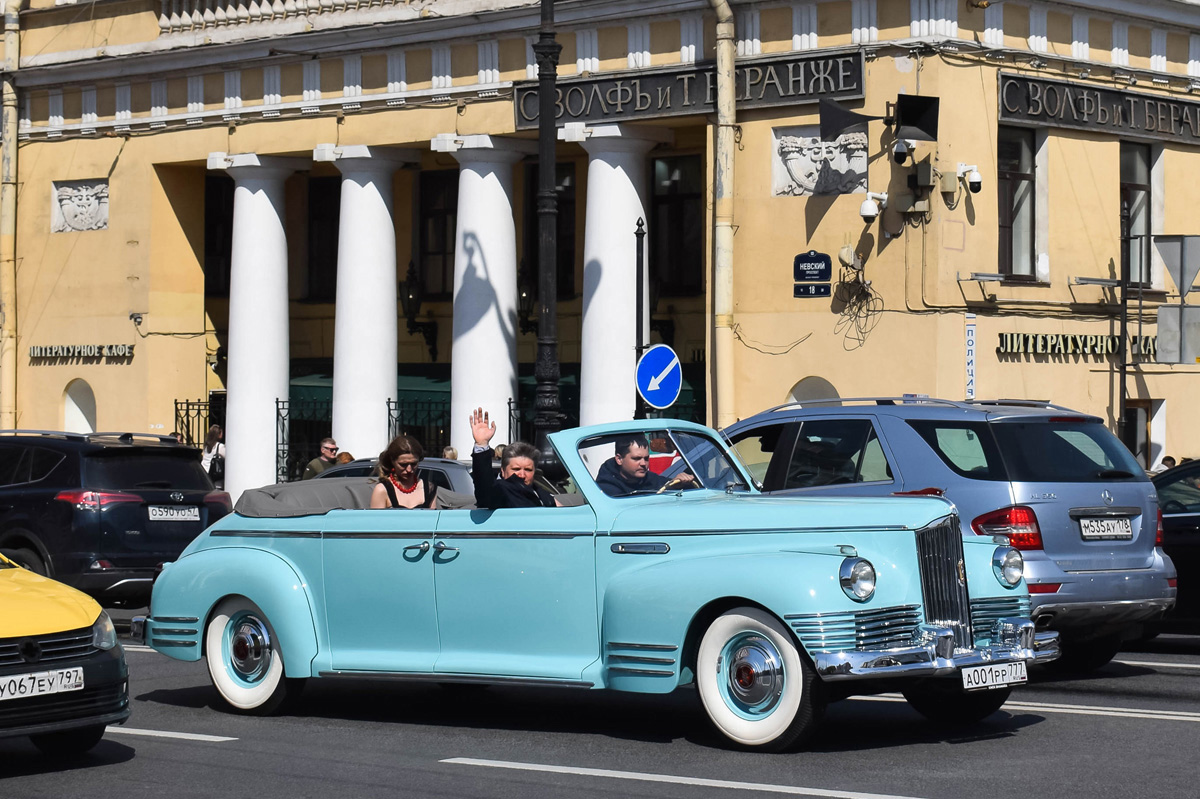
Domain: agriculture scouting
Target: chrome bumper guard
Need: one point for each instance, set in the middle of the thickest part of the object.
(137, 629)
(933, 654)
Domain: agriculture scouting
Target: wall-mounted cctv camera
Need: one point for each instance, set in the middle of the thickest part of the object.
(869, 210)
(970, 173)
(902, 149)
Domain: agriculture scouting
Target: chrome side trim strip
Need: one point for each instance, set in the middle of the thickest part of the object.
(648, 672)
(887, 528)
(659, 647)
(263, 534)
(345, 535)
(507, 534)
(643, 659)
(120, 583)
(180, 631)
(158, 642)
(173, 619)
(428, 676)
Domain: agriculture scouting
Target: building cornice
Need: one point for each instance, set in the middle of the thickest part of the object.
(363, 30)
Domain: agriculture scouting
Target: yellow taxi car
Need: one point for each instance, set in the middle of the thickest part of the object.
(63, 677)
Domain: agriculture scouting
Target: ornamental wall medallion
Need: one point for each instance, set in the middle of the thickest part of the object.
(804, 166)
(78, 205)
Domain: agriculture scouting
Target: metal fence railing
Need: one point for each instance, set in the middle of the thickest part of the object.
(428, 421)
(194, 417)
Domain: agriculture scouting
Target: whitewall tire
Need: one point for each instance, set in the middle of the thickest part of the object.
(245, 661)
(756, 686)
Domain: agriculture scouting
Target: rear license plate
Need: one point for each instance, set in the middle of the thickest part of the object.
(21, 686)
(1106, 529)
(996, 675)
(174, 513)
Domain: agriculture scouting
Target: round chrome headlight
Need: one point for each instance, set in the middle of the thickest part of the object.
(1008, 565)
(857, 576)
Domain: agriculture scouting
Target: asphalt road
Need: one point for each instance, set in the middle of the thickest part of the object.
(1130, 729)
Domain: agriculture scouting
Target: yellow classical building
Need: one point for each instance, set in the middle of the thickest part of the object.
(214, 202)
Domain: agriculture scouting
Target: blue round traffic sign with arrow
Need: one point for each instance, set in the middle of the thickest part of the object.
(659, 376)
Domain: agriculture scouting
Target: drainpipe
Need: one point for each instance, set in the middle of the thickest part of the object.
(8, 218)
(723, 391)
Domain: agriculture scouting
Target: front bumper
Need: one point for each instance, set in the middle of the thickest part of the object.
(104, 699)
(933, 653)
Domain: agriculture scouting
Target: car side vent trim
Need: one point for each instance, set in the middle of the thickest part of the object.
(862, 630)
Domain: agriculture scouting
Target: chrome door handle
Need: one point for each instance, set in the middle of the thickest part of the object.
(422, 547)
(440, 546)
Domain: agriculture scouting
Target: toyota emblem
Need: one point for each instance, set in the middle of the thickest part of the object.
(30, 650)
(1107, 496)
(177, 496)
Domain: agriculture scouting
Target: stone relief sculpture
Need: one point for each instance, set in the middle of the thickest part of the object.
(79, 205)
(806, 166)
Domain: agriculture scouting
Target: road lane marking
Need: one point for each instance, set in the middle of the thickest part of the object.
(1076, 710)
(183, 736)
(1163, 664)
(638, 776)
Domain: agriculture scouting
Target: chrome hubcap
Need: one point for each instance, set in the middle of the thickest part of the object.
(753, 675)
(250, 648)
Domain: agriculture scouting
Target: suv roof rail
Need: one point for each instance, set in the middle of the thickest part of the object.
(1024, 403)
(129, 438)
(55, 433)
(835, 401)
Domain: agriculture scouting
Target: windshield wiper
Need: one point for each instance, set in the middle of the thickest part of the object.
(154, 484)
(1112, 474)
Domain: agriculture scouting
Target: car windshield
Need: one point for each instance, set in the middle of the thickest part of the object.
(652, 462)
(130, 470)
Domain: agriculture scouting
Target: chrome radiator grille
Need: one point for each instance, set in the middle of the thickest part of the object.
(856, 629)
(985, 612)
(944, 578)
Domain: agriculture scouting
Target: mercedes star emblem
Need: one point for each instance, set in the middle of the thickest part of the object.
(1107, 496)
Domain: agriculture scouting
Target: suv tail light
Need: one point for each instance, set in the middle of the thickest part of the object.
(95, 500)
(1019, 523)
(1158, 533)
(220, 498)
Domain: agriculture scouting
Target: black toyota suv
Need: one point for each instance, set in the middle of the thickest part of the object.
(101, 511)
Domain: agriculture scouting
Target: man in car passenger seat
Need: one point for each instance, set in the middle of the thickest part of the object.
(518, 465)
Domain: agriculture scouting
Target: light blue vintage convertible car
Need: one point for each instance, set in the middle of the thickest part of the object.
(771, 606)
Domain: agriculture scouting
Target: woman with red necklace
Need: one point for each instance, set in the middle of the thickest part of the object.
(400, 485)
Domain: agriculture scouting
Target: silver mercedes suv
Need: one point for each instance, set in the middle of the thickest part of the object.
(1056, 482)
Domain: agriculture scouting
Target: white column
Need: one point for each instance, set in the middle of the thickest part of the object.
(483, 366)
(364, 332)
(258, 316)
(616, 185)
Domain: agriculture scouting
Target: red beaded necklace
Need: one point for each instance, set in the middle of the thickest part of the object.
(402, 489)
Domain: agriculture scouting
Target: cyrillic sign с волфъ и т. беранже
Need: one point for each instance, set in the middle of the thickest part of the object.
(786, 80)
(1062, 104)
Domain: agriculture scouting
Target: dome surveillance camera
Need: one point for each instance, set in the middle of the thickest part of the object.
(970, 174)
(869, 210)
(902, 149)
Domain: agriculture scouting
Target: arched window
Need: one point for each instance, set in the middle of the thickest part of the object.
(812, 388)
(79, 408)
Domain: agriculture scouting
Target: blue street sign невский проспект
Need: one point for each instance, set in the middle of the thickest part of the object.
(659, 376)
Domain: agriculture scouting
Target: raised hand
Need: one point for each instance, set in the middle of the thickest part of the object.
(482, 429)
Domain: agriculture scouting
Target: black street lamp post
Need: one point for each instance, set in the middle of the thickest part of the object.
(548, 416)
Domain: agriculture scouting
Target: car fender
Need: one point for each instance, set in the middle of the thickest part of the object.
(651, 614)
(192, 587)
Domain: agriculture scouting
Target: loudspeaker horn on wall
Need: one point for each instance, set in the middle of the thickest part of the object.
(916, 117)
(836, 120)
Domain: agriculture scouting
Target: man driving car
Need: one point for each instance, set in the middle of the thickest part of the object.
(628, 471)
